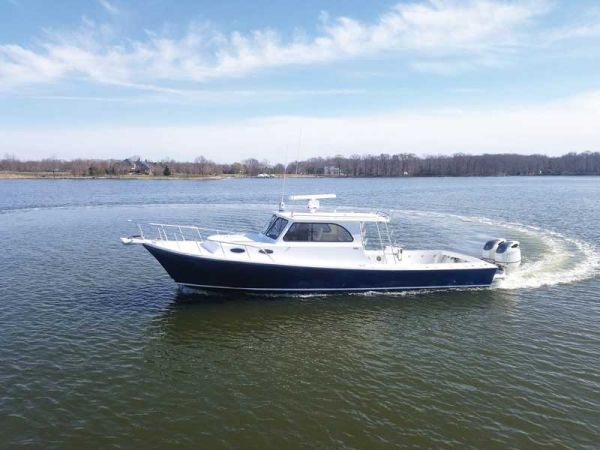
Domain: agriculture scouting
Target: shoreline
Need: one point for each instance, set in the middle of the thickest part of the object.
(65, 176)
(50, 176)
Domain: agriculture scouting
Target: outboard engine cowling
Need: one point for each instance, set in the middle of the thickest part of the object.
(508, 255)
(489, 249)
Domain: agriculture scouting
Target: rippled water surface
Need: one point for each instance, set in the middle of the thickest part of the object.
(98, 348)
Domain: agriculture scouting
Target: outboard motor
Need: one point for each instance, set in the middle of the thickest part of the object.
(489, 249)
(508, 255)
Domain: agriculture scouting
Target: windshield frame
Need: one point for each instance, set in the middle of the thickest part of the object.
(276, 226)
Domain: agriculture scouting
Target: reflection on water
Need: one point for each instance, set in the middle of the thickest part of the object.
(204, 313)
(329, 363)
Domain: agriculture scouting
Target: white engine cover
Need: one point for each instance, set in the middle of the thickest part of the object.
(489, 249)
(508, 254)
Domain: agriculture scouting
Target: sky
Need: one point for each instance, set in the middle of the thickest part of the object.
(278, 80)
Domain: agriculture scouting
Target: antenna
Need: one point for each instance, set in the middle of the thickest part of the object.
(282, 203)
(298, 151)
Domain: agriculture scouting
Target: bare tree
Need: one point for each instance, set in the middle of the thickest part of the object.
(367, 165)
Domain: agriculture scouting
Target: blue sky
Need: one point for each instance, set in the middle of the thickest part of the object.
(235, 79)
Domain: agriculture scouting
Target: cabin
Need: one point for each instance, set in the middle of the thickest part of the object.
(313, 236)
(332, 235)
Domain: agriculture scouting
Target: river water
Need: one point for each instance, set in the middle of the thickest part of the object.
(99, 348)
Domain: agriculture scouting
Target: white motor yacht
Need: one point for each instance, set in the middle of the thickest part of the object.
(316, 250)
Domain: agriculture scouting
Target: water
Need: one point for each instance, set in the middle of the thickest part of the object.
(98, 348)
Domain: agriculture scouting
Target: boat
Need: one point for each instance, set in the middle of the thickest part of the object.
(313, 250)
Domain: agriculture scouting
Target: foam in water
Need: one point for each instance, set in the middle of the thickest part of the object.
(564, 260)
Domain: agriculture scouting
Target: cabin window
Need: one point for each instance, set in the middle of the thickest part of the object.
(276, 226)
(317, 232)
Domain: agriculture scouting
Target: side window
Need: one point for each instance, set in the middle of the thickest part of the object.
(330, 232)
(276, 228)
(317, 232)
(298, 232)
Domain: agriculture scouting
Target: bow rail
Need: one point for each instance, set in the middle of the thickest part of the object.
(163, 232)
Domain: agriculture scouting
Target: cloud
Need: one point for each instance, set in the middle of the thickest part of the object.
(206, 97)
(109, 7)
(437, 36)
(556, 127)
(585, 29)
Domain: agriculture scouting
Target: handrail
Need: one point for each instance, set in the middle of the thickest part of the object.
(194, 227)
(181, 237)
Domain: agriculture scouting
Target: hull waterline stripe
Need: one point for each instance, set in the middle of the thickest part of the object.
(405, 288)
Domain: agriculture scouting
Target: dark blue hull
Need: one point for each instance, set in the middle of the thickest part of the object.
(211, 273)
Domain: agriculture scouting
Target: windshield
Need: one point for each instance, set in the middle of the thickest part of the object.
(270, 224)
(275, 227)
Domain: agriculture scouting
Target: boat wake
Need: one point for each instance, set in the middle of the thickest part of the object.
(564, 260)
(550, 258)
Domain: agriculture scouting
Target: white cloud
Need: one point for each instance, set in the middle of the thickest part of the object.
(109, 7)
(451, 32)
(557, 127)
(206, 97)
(589, 29)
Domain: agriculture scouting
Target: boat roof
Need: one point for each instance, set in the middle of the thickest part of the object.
(333, 216)
(313, 213)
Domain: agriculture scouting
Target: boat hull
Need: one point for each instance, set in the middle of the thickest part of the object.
(210, 273)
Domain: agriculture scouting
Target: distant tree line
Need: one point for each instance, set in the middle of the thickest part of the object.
(408, 164)
(134, 165)
(382, 165)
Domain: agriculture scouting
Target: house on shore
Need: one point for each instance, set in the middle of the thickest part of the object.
(139, 167)
(332, 171)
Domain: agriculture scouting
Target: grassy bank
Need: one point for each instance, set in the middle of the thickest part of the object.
(69, 176)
